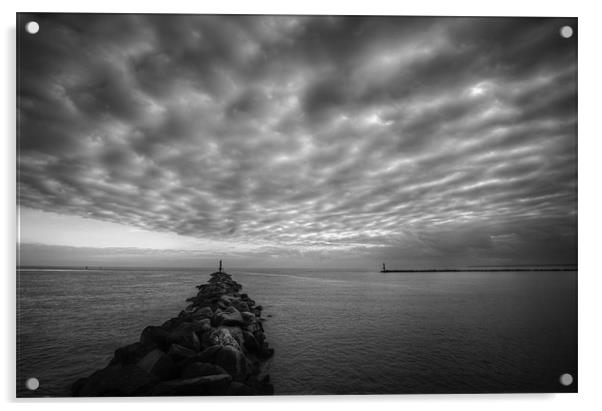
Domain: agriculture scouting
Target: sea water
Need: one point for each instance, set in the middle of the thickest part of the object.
(334, 332)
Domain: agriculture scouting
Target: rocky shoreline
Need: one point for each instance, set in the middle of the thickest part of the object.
(215, 346)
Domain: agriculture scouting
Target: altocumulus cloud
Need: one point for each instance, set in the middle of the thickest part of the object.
(422, 141)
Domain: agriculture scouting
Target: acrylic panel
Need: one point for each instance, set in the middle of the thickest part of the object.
(295, 204)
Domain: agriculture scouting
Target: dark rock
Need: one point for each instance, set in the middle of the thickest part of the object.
(195, 325)
(77, 386)
(207, 385)
(209, 354)
(248, 317)
(130, 354)
(208, 339)
(171, 323)
(118, 381)
(259, 336)
(240, 305)
(159, 364)
(149, 360)
(204, 312)
(202, 326)
(201, 369)
(228, 316)
(265, 351)
(227, 299)
(233, 361)
(178, 352)
(245, 298)
(186, 336)
(157, 336)
(250, 343)
(165, 369)
(192, 341)
(254, 327)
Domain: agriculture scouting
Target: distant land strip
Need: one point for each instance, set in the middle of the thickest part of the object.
(453, 270)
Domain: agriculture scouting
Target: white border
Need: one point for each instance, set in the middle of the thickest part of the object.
(590, 284)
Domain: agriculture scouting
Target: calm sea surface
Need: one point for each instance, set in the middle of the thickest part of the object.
(334, 332)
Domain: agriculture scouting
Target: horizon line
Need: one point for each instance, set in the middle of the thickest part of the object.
(489, 267)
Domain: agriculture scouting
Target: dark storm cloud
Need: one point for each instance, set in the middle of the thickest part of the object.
(441, 140)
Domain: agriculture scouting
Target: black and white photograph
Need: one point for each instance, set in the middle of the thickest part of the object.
(256, 205)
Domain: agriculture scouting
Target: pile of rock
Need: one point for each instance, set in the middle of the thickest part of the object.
(216, 346)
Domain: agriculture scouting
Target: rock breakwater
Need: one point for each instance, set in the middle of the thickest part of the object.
(215, 346)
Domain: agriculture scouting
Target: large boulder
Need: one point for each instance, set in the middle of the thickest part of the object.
(227, 299)
(248, 317)
(244, 297)
(259, 336)
(130, 354)
(149, 360)
(172, 323)
(265, 351)
(228, 316)
(254, 327)
(117, 381)
(206, 385)
(202, 326)
(185, 335)
(234, 362)
(250, 342)
(178, 352)
(221, 336)
(235, 332)
(156, 336)
(240, 305)
(203, 312)
(207, 355)
(159, 364)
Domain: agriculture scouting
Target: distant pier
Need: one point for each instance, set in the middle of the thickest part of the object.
(455, 270)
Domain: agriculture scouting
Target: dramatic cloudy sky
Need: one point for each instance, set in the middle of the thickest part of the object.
(297, 141)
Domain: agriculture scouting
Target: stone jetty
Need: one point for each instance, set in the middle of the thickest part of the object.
(215, 346)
